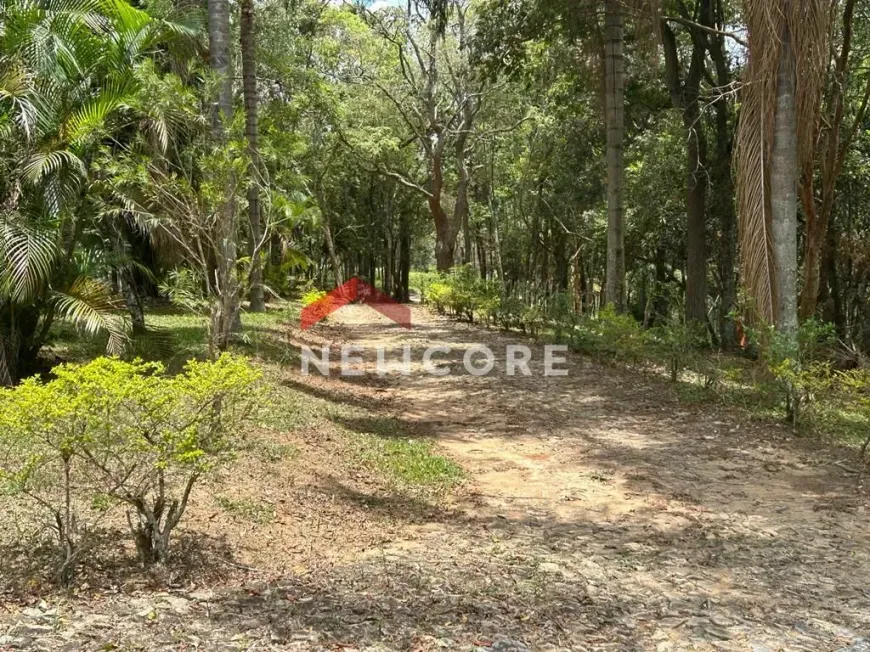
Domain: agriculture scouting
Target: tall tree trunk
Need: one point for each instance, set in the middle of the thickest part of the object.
(225, 309)
(783, 191)
(402, 291)
(723, 183)
(684, 95)
(249, 89)
(467, 252)
(833, 153)
(696, 213)
(333, 254)
(614, 114)
(560, 261)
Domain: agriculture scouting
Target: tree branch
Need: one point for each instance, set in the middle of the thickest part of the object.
(704, 28)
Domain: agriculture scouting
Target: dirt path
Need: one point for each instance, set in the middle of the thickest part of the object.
(626, 519)
(600, 513)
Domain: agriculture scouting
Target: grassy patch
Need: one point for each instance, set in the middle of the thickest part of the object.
(411, 462)
(246, 509)
(270, 451)
(175, 337)
(381, 443)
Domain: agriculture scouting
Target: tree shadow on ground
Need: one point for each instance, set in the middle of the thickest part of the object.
(108, 561)
(332, 392)
(483, 593)
(384, 427)
(407, 507)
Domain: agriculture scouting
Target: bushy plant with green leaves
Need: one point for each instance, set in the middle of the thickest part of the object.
(532, 319)
(488, 298)
(562, 316)
(509, 313)
(677, 344)
(421, 282)
(465, 288)
(855, 386)
(615, 336)
(41, 427)
(799, 363)
(312, 296)
(440, 295)
(112, 433)
(463, 294)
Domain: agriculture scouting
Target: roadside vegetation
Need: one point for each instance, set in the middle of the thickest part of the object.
(103, 444)
(677, 189)
(813, 380)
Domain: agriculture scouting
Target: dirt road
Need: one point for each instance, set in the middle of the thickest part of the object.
(623, 518)
(599, 513)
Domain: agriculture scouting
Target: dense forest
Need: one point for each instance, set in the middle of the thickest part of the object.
(697, 161)
(674, 192)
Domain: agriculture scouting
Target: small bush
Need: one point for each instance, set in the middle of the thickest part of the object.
(121, 433)
(677, 345)
(488, 300)
(855, 385)
(462, 294)
(798, 361)
(312, 296)
(509, 313)
(615, 336)
(440, 296)
(421, 282)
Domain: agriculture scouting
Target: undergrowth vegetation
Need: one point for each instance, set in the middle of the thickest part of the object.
(795, 377)
(112, 434)
(106, 441)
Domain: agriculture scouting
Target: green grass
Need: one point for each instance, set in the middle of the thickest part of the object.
(175, 337)
(410, 462)
(380, 442)
(247, 510)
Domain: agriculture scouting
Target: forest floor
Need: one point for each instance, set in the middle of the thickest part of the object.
(597, 511)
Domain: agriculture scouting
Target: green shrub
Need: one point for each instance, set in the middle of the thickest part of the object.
(615, 336)
(421, 282)
(440, 295)
(488, 300)
(312, 296)
(798, 362)
(462, 294)
(509, 313)
(562, 317)
(677, 345)
(855, 385)
(121, 433)
(531, 319)
(464, 291)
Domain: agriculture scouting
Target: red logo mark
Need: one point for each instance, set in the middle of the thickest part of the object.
(356, 290)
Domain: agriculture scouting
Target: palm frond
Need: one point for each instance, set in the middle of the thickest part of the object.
(16, 85)
(805, 23)
(91, 307)
(91, 116)
(43, 164)
(753, 198)
(27, 254)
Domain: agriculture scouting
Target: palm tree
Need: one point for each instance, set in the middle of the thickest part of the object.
(64, 75)
(778, 123)
(249, 90)
(225, 310)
